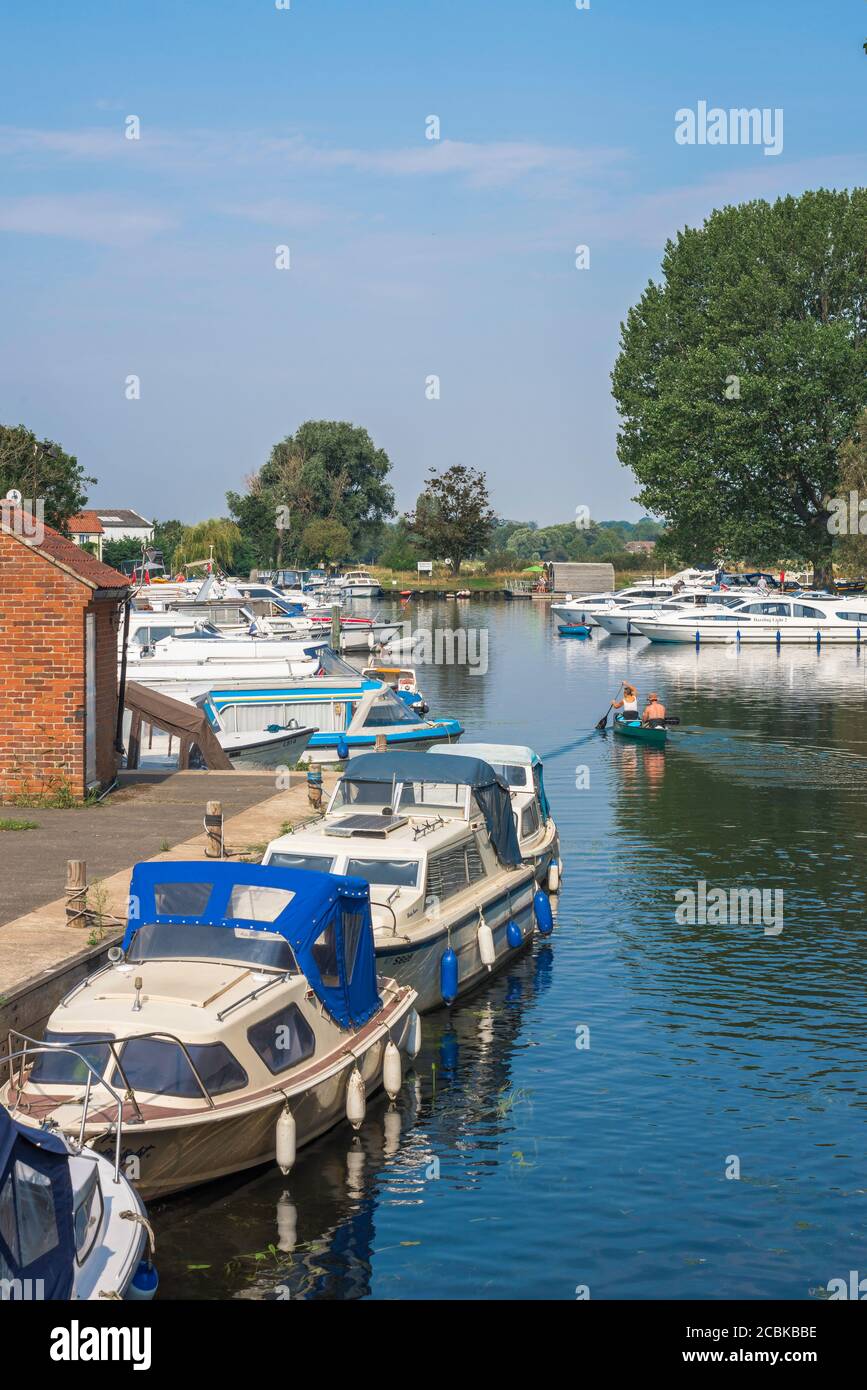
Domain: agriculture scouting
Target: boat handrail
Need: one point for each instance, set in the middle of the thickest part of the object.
(113, 1043)
(36, 1047)
(254, 993)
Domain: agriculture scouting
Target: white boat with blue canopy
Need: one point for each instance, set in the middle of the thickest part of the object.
(521, 770)
(242, 1018)
(347, 713)
(71, 1226)
(451, 896)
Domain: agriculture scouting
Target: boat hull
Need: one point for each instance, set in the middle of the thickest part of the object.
(642, 733)
(417, 963)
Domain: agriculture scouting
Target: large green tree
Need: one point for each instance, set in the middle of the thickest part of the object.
(743, 372)
(41, 470)
(453, 515)
(327, 470)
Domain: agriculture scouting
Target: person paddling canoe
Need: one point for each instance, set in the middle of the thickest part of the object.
(629, 703)
(654, 711)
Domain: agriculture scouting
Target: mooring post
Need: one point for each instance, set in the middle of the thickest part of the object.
(214, 830)
(380, 744)
(76, 892)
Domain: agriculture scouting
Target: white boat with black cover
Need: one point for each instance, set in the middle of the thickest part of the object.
(521, 770)
(452, 898)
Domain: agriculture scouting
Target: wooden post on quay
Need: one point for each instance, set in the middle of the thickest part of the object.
(76, 893)
(214, 830)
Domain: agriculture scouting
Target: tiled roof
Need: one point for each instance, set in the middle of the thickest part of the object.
(120, 516)
(85, 524)
(62, 551)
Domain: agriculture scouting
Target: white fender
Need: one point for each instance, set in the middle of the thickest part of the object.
(356, 1099)
(553, 877)
(392, 1078)
(285, 1140)
(487, 950)
(413, 1034)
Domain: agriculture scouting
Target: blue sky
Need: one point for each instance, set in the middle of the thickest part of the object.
(409, 257)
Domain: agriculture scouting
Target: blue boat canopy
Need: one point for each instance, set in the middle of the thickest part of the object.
(324, 917)
(37, 1235)
(490, 791)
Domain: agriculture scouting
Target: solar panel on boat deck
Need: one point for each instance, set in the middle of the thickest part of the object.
(366, 825)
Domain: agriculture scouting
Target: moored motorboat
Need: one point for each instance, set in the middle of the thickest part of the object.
(780, 620)
(435, 837)
(242, 1018)
(71, 1225)
(521, 770)
(653, 734)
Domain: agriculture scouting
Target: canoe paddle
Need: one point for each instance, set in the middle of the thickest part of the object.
(604, 720)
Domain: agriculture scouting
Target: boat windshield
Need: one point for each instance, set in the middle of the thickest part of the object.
(399, 873)
(192, 941)
(446, 799)
(388, 709)
(513, 774)
(330, 664)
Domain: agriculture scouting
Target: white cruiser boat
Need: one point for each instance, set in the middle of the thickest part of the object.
(179, 656)
(242, 1018)
(359, 584)
(777, 620)
(71, 1224)
(521, 770)
(451, 896)
(585, 608)
(621, 621)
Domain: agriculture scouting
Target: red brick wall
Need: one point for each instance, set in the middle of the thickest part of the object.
(42, 687)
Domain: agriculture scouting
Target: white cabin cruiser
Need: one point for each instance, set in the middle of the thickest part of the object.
(242, 1018)
(176, 654)
(521, 770)
(621, 621)
(451, 896)
(71, 1224)
(584, 608)
(359, 584)
(767, 620)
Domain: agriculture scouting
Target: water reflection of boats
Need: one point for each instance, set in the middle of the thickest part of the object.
(313, 1236)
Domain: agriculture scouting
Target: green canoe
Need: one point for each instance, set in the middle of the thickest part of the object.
(633, 728)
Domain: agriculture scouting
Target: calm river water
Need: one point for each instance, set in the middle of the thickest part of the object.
(517, 1164)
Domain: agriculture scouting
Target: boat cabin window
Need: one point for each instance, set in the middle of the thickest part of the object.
(181, 899)
(353, 795)
(530, 820)
(400, 873)
(282, 1040)
(513, 774)
(321, 863)
(87, 1220)
(160, 1068)
(27, 1221)
(388, 709)
(325, 956)
(256, 902)
(449, 872)
(62, 1068)
(448, 799)
(849, 617)
(173, 941)
(806, 610)
(771, 610)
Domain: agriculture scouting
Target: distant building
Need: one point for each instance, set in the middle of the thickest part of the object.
(564, 577)
(640, 547)
(98, 525)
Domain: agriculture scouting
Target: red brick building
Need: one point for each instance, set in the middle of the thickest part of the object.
(60, 609)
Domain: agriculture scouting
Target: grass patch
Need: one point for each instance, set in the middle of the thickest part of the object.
(19, 825)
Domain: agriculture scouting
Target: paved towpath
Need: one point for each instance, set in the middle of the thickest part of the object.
(146, 820)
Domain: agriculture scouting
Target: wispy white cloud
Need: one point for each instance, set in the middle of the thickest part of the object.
(83, 217)
(480, 164)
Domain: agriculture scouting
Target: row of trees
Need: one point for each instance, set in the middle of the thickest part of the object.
(742, 389)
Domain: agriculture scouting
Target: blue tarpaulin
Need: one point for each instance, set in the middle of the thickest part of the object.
(490, 791)
(37, 1238)
(327, 923)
